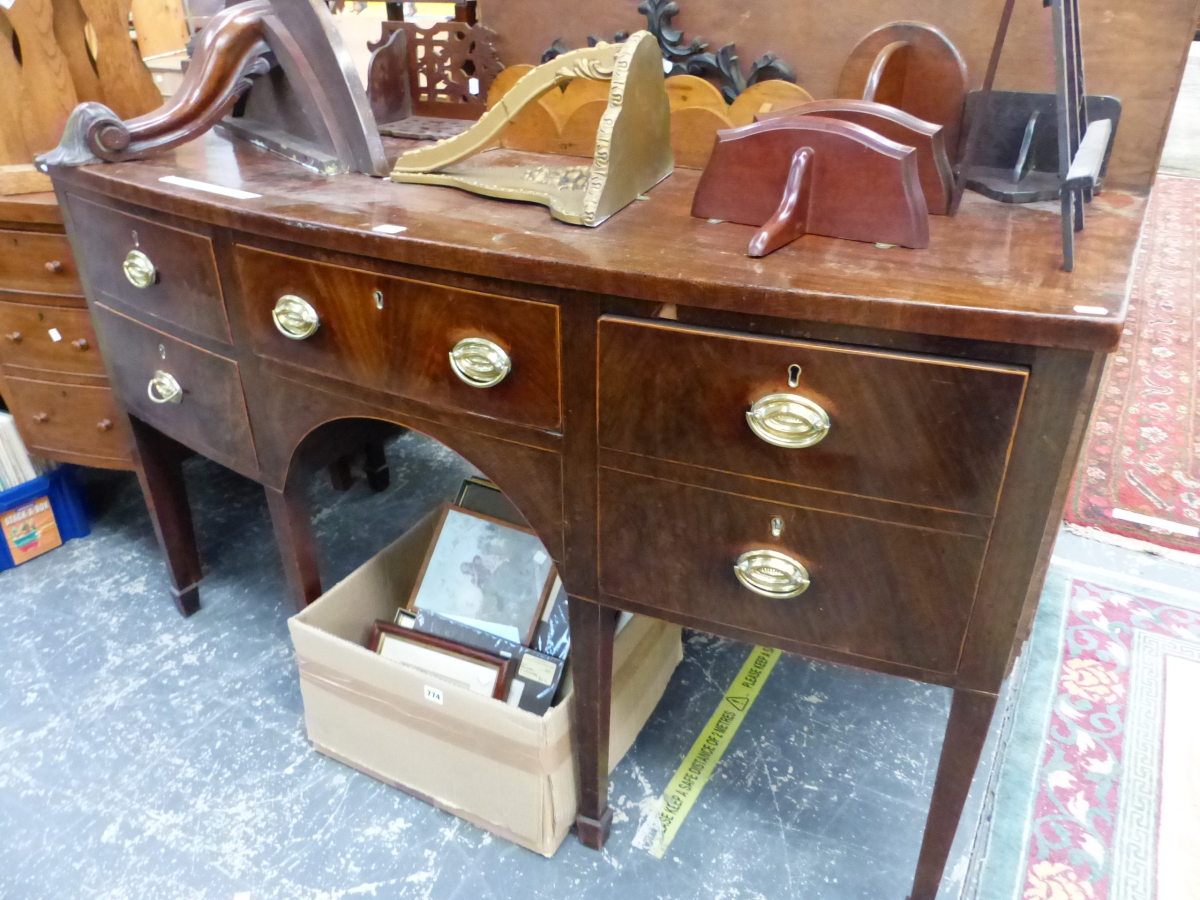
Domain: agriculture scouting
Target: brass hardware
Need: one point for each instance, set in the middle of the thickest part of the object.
(776, 526)
(163, 388)
(793, 376)
(14, 338)
(295, 317)
(770, 573)
(479, 362)
(54, 267)
(378, 299)
(80, 344)
(41, 418)
(104, 425)
(139, 270)
(788, 420)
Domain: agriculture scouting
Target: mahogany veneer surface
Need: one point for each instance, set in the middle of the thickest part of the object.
(958, 381)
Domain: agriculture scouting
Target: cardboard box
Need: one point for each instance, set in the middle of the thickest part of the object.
(497, 766)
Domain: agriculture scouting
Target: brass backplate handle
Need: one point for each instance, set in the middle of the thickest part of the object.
(788, 420)
(139, 269)
(295, 317)
(163, 388)
(770, 573)
(480, 362)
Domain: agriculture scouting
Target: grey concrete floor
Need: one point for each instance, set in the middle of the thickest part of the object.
(1181, 154)
(147, 756)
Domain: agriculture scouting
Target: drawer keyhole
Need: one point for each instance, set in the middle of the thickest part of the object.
(793, 376)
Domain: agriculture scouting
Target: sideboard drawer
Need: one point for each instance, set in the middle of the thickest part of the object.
(919, 430)
(397, 335)
(37, 261)
(188, 393)
(164, 272)
(74, 419)
(52, 338)
(878, 590)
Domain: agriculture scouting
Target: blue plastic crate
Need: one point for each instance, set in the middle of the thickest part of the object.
(23, 519)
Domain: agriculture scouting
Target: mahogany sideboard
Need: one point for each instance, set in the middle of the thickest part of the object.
(956, 383)
(51, 373)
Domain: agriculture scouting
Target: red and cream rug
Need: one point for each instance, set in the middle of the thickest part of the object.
(1139, 475)
(1115, 813)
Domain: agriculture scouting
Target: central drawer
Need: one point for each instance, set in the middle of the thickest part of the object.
(398, 335)
(878, 590)
(913, 429)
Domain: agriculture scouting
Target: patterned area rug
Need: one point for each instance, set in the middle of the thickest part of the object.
(1099, 795)
(1139, 476)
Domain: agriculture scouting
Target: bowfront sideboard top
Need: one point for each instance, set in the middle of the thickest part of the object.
(854, 452)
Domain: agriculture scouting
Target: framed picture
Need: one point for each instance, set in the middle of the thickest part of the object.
(469, 668)
(485, 573)
(482, 496)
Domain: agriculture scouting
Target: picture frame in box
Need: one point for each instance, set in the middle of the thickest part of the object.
(553, 636)
(486, 573)
(470, 668)
(485, 497)
(536, 676)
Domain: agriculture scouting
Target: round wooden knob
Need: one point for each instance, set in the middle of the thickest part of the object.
(104, 425)
(41, 418)
(54, 267)
(80, 344)
(14, 338)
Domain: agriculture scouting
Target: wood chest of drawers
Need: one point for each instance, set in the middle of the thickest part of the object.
(51, 373)
(848, 452)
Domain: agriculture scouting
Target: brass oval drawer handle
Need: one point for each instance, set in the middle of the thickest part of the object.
(295, 317)
(770, 573)
(163, 388)
(480, 362)
(139, 270)
(788, 420)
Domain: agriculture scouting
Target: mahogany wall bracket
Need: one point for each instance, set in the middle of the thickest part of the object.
(798, 175)
(304, 100)
(913, 67)
(933, 163)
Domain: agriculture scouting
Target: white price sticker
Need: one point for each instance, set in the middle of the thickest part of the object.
(55, 335)
(433, 695)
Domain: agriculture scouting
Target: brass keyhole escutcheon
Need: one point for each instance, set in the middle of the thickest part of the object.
(793, 376)
(139, 270)
(295, 317)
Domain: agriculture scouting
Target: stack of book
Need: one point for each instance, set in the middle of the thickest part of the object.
(16, 465)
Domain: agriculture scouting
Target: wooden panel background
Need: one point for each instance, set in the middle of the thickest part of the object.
(1133, 49)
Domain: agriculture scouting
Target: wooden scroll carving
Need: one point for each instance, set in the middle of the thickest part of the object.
(632, 144)
(912, 67)
(933, 165)
(431, 82)
(722, 69)
(304, 99)
(799, 175)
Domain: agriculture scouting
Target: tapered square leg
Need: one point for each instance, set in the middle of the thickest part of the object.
(970, 716)
(375, 465)
(158, 461)
(291, 518)
(592, 627)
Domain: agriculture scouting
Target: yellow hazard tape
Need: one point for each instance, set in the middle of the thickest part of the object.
(680, 795)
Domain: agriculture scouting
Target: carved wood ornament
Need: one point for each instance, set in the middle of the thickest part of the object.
(290, 51)
(632, 145)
